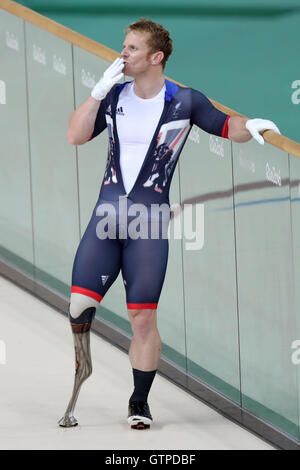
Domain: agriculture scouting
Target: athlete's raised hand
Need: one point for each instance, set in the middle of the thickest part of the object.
(255, 126)
(111, 76)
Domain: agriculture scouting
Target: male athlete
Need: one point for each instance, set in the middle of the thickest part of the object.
(148, 121)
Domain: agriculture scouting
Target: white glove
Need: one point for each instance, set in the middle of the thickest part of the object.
(111, 76)
(255, 126)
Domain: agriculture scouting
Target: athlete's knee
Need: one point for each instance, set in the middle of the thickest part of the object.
(82, 310)
(143, 321)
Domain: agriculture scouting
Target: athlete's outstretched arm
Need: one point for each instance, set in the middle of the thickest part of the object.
(239, 129)
(242, 129)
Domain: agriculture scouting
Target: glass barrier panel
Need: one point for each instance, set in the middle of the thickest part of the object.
(265, 283)
(15, 197)
(295, 213)
(53, 159)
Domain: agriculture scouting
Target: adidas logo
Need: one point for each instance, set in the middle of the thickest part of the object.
(104, 279)
(120, 111)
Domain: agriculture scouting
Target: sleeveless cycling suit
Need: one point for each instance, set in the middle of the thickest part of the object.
(110, 241)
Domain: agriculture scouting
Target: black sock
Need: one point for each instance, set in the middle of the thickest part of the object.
(142, 384)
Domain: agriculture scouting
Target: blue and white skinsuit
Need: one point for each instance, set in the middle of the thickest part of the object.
(143, 261)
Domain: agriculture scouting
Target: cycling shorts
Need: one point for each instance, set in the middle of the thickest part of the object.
(127, 237)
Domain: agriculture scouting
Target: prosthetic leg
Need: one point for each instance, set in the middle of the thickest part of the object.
(83, 363)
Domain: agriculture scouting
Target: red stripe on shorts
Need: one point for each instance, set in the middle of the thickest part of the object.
(89, 293)
(140, 306)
